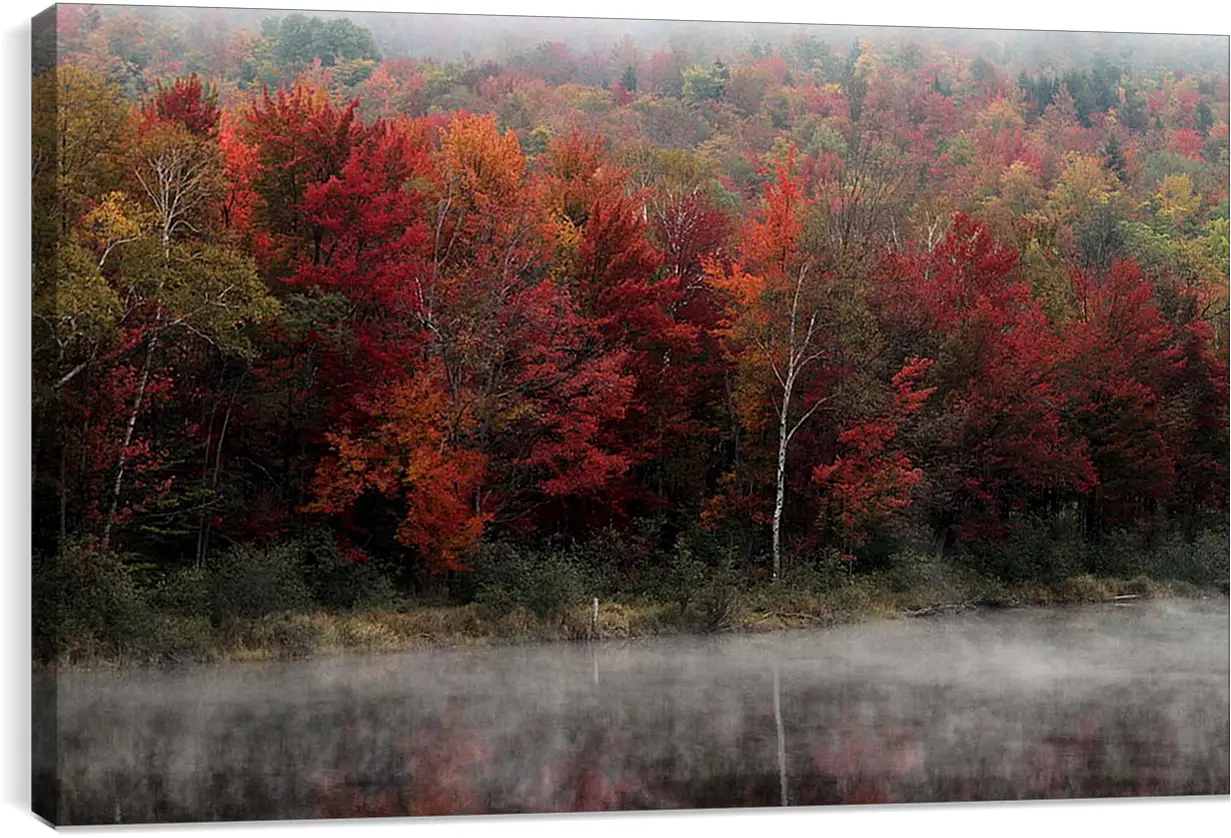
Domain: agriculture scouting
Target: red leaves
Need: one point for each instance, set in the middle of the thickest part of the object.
(1126, 369)
(571, 423)
(301, 138)
(907, 400)
(1005, 409)
(375, 233)
(188, 104)
(1187, 143)
(939, 291)
(870, 481)
(570, 397)
(690, 228)
(404, 452)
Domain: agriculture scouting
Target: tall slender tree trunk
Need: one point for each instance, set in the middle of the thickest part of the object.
(206, 527)
(780, 494)
(129, 428)
(63, 492)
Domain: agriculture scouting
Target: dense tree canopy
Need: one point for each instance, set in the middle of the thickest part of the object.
(796, 295)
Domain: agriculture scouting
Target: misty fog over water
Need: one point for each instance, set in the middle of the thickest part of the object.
(1073, 702)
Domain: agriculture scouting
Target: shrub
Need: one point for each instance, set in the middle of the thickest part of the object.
(1122, 554)
(285, 635)
(612, 559)
(179, 639)
(1038, 550)
(911, 571)
(184, 592)
(682, 579)
(296, 638)
(338, 583)
(1201, 560)
(251, 582)
(87, 601)
(1198, 558)
(716, 602)
(546, 583)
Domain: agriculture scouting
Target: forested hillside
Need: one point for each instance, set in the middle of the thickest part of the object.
(621, 309)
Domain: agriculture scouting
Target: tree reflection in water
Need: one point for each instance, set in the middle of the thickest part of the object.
(1021, 707)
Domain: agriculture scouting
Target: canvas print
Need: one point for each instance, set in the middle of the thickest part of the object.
(460, 415)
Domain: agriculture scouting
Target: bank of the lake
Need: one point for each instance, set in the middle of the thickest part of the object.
(407, 626)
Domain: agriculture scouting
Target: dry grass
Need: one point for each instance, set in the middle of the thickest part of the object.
(765, 609)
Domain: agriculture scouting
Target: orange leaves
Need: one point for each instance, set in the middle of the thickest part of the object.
(769, 247)
(406, 453)
(745, 289)
(771, 243)
(576, 156)
(489, 230)
(484, 163)
(239, 164)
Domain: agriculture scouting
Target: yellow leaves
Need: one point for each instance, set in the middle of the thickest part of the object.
(79, 300)
(1216, 242)
(865, 64)
(1177, 202)
(177, 175)
(930, 218)
(1049, 281)
(504, 414)
(116, 220)
(588, 100)
(568, 237)
(1084, 185)
(568, 234)
(315, 95)
(1000, 117)
(1019, 187)
(684, 169)
(78, 118)
(482, 160)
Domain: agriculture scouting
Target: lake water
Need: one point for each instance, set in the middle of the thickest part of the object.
(1091, 701)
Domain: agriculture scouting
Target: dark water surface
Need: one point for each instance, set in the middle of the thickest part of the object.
(1078, 702)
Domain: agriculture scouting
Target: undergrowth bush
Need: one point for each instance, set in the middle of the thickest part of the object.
(250, 582)
(335, 582)
(546, 583)
(184, 592)
(87, 602)
(680, 579)
(1037, 550)
(715, 604)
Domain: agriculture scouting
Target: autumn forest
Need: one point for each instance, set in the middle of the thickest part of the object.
(325, 320)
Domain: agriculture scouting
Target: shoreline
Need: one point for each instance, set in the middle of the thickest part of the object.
(321, 634)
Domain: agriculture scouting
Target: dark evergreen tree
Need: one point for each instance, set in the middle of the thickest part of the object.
(1113, 158)
(1205, 119)
(628, 80)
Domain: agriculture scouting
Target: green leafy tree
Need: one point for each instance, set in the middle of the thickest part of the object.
(706, 84)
